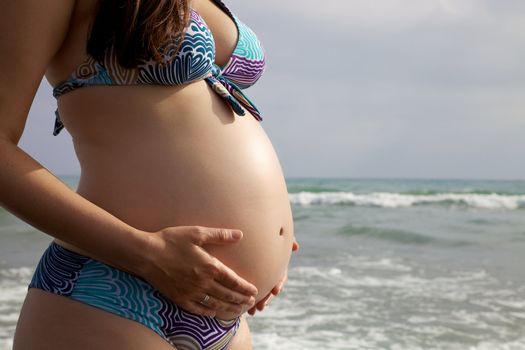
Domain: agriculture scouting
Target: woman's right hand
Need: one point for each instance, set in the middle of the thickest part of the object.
(184, 272)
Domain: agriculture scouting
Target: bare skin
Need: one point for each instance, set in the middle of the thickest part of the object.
(58, 322)
(160, 156)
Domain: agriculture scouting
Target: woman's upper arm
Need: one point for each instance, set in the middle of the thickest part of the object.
(31, 32)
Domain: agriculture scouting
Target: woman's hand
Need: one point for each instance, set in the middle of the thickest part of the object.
(184, 272)
(275, 290)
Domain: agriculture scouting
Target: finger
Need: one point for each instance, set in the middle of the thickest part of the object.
(260, 307)
(262, 303)
(251, 312)
(231, 280)
(229, 295)
(212, 235)
(266, 302)
(199, 309)
(278, 288)
(215, 304)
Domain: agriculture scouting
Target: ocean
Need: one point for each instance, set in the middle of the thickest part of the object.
(384, 264)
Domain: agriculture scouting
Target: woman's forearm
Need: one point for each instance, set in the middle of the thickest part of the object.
(29, 191)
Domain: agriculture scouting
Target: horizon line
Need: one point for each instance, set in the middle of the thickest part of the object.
(373, 178)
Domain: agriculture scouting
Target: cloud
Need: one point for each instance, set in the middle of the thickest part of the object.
(395, 88)
(359, 12)
(421, 88)
(366, 12)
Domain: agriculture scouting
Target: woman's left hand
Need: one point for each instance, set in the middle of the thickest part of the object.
(275, 290)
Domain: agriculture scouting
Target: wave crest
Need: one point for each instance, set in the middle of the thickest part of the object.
(399, 200)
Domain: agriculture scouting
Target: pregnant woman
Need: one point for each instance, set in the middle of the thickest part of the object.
(181, 221)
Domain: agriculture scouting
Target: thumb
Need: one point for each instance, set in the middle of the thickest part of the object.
(221, 236)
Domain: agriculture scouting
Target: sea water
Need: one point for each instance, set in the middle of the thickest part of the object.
(383, 264)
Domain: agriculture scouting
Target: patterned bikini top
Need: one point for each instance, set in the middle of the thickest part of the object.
(195, 60)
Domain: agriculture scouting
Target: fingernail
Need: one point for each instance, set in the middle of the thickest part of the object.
(236, 234)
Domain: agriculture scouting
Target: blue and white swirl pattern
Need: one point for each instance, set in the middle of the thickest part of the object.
(249, 45)
(58, 270)
(64, 272)
(194, 60)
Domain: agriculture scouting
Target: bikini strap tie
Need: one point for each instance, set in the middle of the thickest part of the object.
(232, 93)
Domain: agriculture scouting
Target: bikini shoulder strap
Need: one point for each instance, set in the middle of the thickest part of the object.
(223, 6)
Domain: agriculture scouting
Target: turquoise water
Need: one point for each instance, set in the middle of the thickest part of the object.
(384, 264)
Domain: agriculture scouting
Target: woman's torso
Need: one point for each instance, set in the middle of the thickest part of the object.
(159, 156)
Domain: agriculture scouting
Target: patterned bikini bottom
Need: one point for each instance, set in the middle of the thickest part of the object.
(68, 273)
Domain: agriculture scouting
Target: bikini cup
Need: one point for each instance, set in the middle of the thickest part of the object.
(194, 60)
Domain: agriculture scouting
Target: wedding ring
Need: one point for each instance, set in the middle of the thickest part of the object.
(205, 299)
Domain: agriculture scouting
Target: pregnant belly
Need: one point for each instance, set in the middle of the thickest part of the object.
(208, 169)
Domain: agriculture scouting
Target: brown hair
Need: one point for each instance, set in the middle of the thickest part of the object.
(137, 29)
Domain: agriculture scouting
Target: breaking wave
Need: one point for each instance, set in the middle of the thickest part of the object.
(399, 200)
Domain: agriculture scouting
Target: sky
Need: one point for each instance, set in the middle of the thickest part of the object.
(381, 89)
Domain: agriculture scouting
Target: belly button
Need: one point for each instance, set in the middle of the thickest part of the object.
(281, 231)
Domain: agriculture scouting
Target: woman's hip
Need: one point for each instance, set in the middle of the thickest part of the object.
(76, 276)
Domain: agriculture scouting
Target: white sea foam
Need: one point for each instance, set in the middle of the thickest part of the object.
(13, 285)
(13, 289)
(398, 200)
(20, 272)
(517, 304)
(366, 263)
(6, 344)
(9, 318)
(364, 302)
(518, 344)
